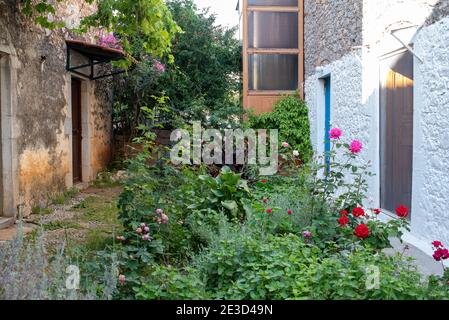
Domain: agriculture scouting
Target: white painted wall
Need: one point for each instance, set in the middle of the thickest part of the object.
(355, 106)
(431, 134)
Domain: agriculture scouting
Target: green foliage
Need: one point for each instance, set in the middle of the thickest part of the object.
(169, 283)
(227, 192)
(147, 25)
(202, 84)
(291, 117)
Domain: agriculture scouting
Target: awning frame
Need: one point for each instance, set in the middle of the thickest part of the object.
(96, 55)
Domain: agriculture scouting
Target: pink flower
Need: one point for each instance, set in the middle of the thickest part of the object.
(164, 218)
(109, 41)
(158, 66)
(121, 279)
(356, 147)
(285, 144)
(269, 210)
(335, 133)
(142, 225)
(290, 212)
(146, 229)
(145, 237)
(120, 238)
(159, 211)
(139, 230)
(307, 234)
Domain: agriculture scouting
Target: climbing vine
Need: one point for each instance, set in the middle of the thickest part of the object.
(147, 24)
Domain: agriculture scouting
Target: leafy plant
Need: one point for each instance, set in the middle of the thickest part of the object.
(291, 117)
(227, 193)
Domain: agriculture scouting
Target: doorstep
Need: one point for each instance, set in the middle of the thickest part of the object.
(425, 263)
(6, 222)
(10, 233)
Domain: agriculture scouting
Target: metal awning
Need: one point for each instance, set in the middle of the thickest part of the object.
(96, 55)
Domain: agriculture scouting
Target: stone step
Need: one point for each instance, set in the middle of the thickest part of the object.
(6, 222)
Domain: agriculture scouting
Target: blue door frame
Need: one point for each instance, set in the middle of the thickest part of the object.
(327, 117)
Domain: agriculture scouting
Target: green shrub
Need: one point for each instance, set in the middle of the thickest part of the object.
(168, 283)
(291, 117)
(284, 267)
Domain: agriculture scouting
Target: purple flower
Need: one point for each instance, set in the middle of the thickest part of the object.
(307, 234)
(146, 229)
(356, 147)
(145, 237)
(109, 41)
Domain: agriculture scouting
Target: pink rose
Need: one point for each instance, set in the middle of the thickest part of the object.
(356, 147)
(335, 133)
(159, 211)
(285, 144)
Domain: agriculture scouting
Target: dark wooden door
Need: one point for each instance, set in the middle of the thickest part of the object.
(396, 128)
(76, 130)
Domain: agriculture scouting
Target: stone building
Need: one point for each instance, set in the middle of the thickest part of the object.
(55, 123)
(379, 70)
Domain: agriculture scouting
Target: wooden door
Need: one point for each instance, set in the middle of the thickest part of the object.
(76, 130)
(396, 128)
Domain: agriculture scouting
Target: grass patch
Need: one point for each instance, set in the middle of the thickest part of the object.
(41, 211)
(96, 209)
(65, 196)
(57, 225)
(105, 180)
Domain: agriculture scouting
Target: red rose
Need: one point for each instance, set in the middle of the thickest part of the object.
(358, 212)
(344, 213)
(437, 244)
(402, 211)
(362, 231)
(290, 212)
(269, 211)
(343, 221)
(377, 211)
(264, 181)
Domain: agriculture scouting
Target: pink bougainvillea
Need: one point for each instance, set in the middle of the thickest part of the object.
(109, 41)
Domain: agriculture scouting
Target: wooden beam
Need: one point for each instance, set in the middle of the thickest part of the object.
(301, 74)
(272, 9)
(245, 53)
(273, 51)
(270, 92)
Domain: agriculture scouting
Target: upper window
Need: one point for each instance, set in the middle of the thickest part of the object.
(272, 30)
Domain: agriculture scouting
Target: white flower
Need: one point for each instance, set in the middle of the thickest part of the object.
(296, 153)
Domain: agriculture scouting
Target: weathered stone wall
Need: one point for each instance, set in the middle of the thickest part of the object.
(42, 88)
(331, 29)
